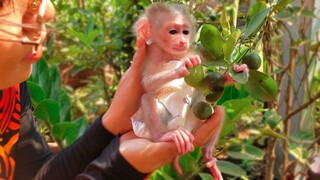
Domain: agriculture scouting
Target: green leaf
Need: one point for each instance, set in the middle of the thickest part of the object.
(233, 110)
(281, 4)
(298, 152)
(224, 19)
(261, 86)
(256, 8)
(196, 77)
(255, 23)
(40, 73)
(36, 92)
(91, 37)
(206, 176)
(302, 137)
(238, 54)
(54, 83)
(166, 172)
(69, 131)
(231, 169)
(65, 105)
(240, 77)
(272, 118)
(231, 43)
(81, 36)
(232, 92)
(90, 26)
(212, 40)
(245, 152)
(48, 110)
(196, 154)
(188, 163)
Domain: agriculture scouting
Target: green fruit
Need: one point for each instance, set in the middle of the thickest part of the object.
(214, 81)
(202, 110)
(213, 96)
(196, 77)
(252, 60)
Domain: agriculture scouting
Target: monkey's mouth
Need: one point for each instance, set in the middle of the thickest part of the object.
(179, 49)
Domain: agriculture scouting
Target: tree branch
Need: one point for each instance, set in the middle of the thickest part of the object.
(311, 100)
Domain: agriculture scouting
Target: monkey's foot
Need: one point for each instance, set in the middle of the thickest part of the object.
(237, 69)
(182, 138)
(212, 165)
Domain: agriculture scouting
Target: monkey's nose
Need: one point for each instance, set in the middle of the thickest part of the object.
(182, 43)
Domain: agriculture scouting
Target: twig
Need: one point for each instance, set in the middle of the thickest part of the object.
(311, 100)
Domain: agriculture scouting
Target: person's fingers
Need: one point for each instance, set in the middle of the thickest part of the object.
(140, 54)
(206, 129)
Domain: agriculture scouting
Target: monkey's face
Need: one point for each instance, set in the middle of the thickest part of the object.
(174, 35)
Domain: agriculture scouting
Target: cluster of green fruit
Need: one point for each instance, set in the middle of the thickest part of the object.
(212, 84)
(221, 51)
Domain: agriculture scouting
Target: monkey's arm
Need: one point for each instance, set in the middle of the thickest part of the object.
(155, 80)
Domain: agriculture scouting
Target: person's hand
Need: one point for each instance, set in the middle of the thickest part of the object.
(205, 131)
(127, 98)
(147, 156)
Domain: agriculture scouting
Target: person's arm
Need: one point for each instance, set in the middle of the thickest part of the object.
(126, 101)
(71, 161)
(135, 158)
(147, 156)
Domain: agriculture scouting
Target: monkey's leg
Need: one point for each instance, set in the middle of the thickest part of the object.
(207, 150)
(151, 116)
(237, 68)
(182, 138)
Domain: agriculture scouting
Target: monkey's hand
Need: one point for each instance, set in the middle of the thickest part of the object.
(237, 69)
(187, 63)
(182, 138)
(211, 163)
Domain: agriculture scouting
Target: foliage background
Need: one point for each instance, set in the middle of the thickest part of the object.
(91, 43)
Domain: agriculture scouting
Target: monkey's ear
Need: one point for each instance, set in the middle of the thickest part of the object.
(142, 27)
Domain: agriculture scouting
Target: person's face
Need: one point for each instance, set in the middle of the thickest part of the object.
(16, 58)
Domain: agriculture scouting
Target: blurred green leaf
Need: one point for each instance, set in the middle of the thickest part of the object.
(206, 176)
(298, 152)
(54, 84)
(231, 169)
(48, 110)
(233, 110)
(70, 131)
(302, 137)
(245, 152)
(36, 92)
(224, 19)
(65, 105)
(231, 43)
(256, 23)
(280, 4)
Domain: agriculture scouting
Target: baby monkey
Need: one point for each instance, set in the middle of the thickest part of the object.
(164, 115)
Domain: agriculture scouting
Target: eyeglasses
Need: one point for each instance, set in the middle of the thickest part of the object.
(35, 7)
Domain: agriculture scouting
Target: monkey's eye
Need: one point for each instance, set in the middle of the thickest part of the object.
(185, 32)
(173, 31)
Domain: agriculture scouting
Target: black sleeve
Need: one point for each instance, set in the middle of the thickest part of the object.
(31, 150)
(110, 165)
(34, 159)
(72, 160)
